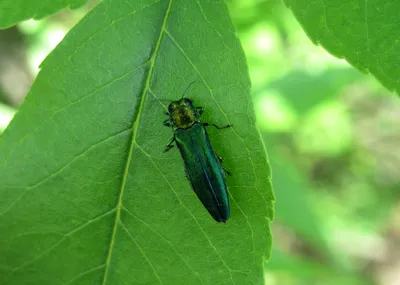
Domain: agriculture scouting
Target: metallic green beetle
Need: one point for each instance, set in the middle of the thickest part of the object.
(203, 167)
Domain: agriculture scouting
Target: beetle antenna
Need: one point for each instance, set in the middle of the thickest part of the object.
(155, 97)
(187, 88)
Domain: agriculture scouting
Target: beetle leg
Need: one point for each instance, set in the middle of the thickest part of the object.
(200, 110)
(225, 170)
(218, 127)
(167, 123)
(169, 145)
(187, 175)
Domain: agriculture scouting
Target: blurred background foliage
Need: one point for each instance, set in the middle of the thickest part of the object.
(332, 136)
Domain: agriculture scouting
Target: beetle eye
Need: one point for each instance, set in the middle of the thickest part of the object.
(188, 102)
(171, 107)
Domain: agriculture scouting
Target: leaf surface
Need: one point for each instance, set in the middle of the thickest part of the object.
(89, 197)
(12, 12)
(366, 33)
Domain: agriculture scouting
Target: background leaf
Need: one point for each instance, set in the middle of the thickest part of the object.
(365, 33)
(88, 197)
(12, 12)
(303, 91)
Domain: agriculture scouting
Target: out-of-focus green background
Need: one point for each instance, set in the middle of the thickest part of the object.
(332, 135)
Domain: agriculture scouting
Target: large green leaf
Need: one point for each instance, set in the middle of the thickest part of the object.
(87, 194)
(366, 33)
(12, 12)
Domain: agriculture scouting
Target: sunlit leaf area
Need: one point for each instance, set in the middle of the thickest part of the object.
(331, 133)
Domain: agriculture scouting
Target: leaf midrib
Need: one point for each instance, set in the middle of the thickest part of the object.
(135, 125)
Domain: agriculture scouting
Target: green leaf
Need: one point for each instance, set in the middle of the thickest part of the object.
(89, 197)
(12, 12)
(304, 91)
(365, 33)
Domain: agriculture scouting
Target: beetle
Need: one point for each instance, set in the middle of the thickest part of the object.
(203, 167)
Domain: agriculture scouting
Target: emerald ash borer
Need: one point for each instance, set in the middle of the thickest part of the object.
(203, 167)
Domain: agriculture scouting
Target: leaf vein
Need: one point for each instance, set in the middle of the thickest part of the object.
(32, 186)
(82, 226)
(94, 269)
(135, 127)
(73, 103)
(109, 25)
(167, 241)
(142, 251)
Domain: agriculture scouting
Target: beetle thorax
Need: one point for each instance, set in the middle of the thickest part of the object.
(184, 118)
